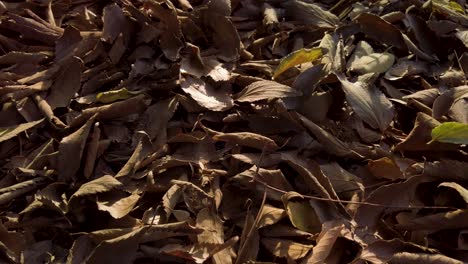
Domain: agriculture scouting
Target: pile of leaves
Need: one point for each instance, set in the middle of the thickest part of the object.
(234, 131)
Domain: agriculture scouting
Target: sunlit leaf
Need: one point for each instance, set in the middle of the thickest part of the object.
(374, 62)
(9, 132)
(103, 184)
(451, 132)
(297, 57)
(112, 96)
(286, 248)
(263, 90)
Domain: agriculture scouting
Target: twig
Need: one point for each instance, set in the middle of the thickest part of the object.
(353, 202)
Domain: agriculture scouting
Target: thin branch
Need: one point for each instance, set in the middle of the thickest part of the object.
(353, 202)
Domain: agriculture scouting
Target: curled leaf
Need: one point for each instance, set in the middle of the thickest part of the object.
(115, 95)
(263, 90)
(297, 57)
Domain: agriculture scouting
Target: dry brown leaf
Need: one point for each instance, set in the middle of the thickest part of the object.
(385, 168)
(212, 234)
(207, 96)
(249, 242)
(369, 103)
(184, 133)
(380, 30)
(263, 90)
(310, 13)
(103, 184)
(71, 151)
(420, 136)
(334, 145)
(286, 248)
(10, 132)
(248, 139)
(325, 241)
(118, 207)
(270, 215)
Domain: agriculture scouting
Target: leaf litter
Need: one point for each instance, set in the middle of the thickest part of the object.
(233, 131)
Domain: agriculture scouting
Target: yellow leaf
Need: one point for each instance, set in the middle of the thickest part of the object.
(451, 132)
(111, 96)
(446, 7)
(456, 6)
(297, 57)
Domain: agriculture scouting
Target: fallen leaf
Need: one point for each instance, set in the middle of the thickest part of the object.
(10, 132)
(115, 95)
(380, 30)
(286, 248)
(310, 13)
(374, 62)
(206, 95)
(325, 242)
(248, 139)
(301, 214)
(270, 215)
(103, 184)
(297, 57)
(385, 168)
(212, 234)
(71, 151)
(67, 84)
(263, 90)
(451, 132)
(457, 187)
(119, 207)
(369, 104)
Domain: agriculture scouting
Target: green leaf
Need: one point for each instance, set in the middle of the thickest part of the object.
(112, 96)
(297, 57)
(451, 132)
(437, 5)
(301, 214)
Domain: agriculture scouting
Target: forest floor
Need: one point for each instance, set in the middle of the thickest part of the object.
(234, 131)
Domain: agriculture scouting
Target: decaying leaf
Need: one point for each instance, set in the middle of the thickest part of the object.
(102, 184)
(216, 99)
(385, 168)
(223, 131)
(270, 215)
(457, 187)
(310, 13)
(248, 139)
(71, 150)
(263, 90)
(10, 132)
(212, 234)
(369, 104)
(374, 62)
(119, 207)
(286, 248)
